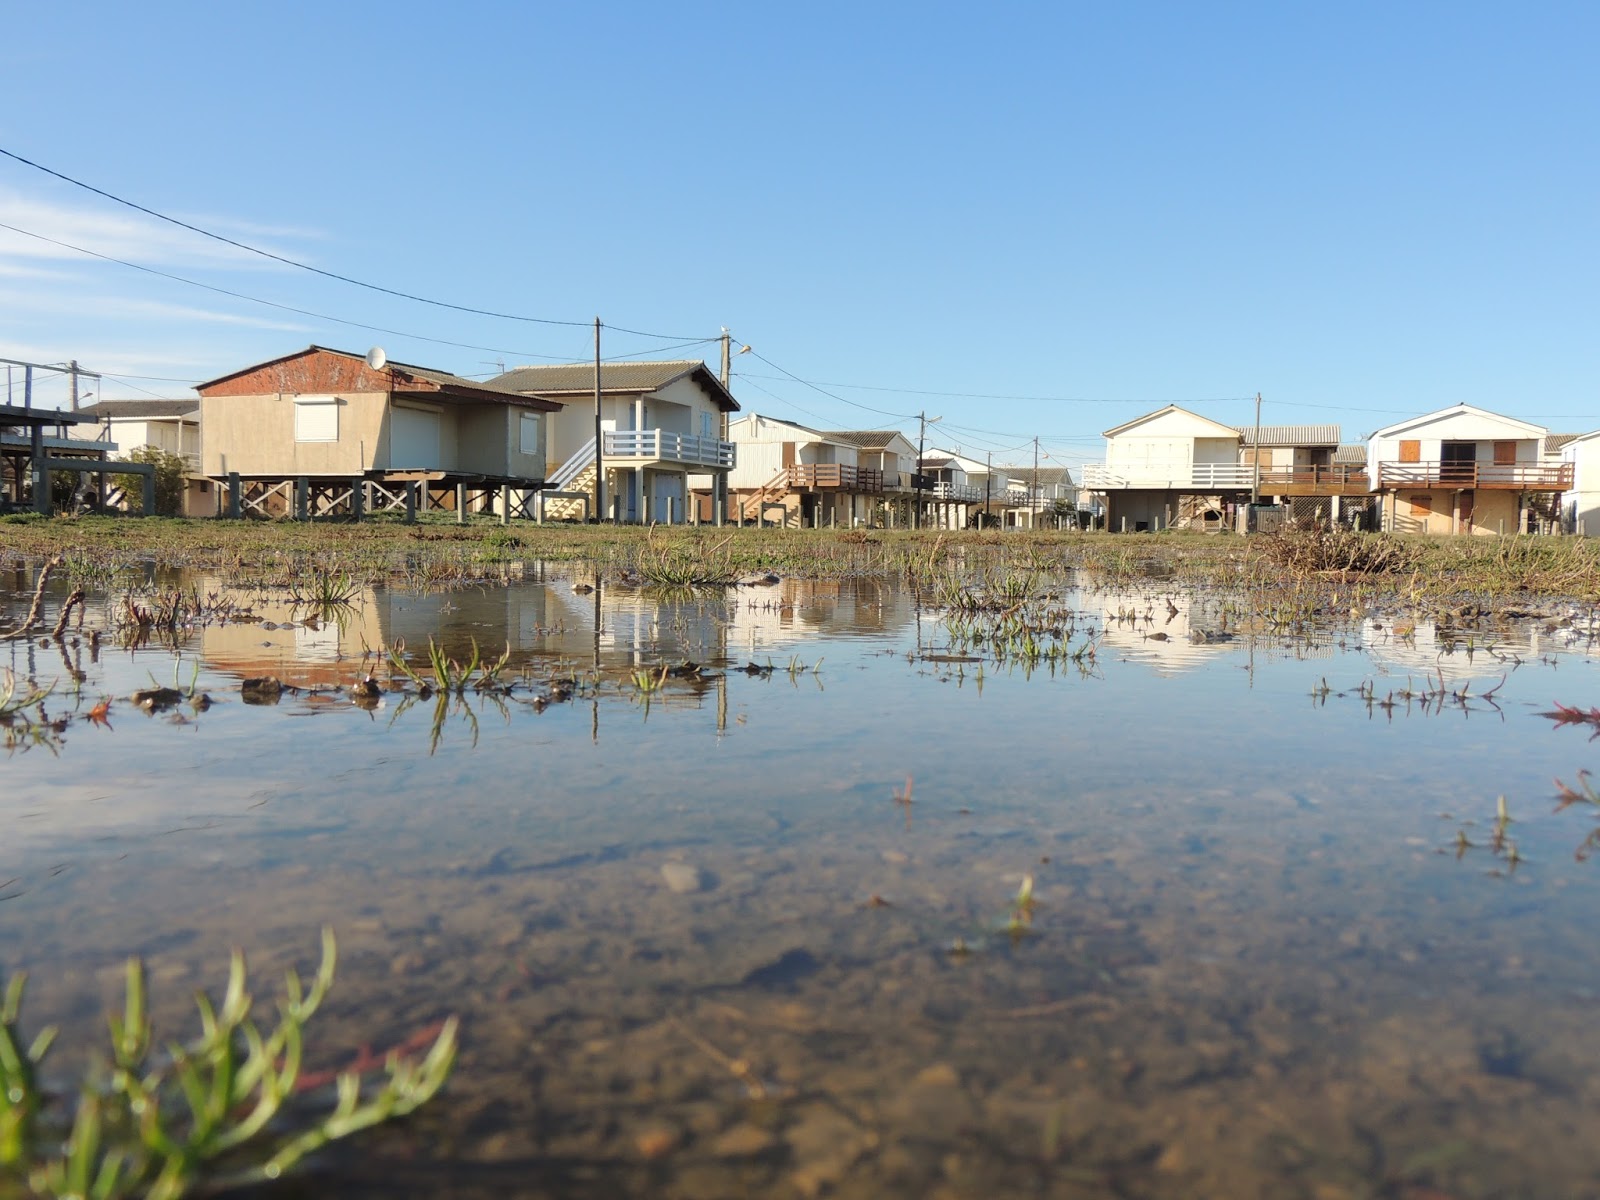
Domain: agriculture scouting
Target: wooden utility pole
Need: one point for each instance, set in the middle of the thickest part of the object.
(1034, 500)
(916, 480)
(599, 440)
(988, 482)
(1255, 458)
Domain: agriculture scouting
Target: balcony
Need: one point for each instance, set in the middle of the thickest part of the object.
(958, 492)
(1509, 477)
(642, 447)
(1344, 479)
(1173, 477)
(834, 477)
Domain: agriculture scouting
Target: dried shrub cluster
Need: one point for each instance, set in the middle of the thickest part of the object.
(1316, 549)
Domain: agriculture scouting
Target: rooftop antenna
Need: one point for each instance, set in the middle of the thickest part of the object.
(376, 358)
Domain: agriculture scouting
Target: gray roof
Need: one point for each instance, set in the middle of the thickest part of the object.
(1554, 441)
(865, 439)
(1352, 453)
(135, 409)
(1048, 476)
(557, 380)
(1291, 435)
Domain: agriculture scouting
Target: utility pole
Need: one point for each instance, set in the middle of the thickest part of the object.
(599, 440)
(727, 356)
(1255, 457)
(922, 437)
(72, 374)
(988, 482)
(1033, 500)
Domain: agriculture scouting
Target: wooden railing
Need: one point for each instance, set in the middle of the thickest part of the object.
(1340, 479)
(808, 477)
(1527, 477)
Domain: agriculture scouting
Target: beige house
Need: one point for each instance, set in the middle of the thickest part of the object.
(170, 425)
(663, 426)
(1465, 470)
(791, 475)
(332, 418)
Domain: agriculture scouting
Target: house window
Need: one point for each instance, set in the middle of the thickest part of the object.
(529, 428)
(316, 418)
(1421, 505)
(1411, 451)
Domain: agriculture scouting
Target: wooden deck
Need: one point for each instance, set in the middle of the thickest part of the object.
(834, 477)
(1508, 477)
(1344, 480)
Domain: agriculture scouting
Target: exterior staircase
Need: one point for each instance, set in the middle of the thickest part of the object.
(771, 492)
(574, 475)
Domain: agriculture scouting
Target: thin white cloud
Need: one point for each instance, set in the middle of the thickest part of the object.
(128, 308)
(125, 235)
(12, 270)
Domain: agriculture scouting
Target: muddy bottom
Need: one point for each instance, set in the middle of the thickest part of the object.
(1226, 915)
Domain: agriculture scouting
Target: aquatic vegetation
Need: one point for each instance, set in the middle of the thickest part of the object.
(448, 675)
(224, 1109)
(327, 589)
(1562, 715)
(686, 562)
(15, 696)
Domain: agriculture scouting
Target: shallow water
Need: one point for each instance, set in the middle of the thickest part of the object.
(1258, 963)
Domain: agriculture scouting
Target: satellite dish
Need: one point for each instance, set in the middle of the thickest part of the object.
(376, 358)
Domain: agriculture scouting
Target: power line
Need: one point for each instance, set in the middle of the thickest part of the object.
(1003, 396)
(304, 266)
(304, 312)
(807, 383)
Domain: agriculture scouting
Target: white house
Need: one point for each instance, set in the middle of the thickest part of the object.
(170, 425)
(1580, 505)
(1155, 462)
(662, 422)
(1464, 470)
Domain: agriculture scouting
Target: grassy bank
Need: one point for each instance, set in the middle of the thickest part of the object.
(440, 552)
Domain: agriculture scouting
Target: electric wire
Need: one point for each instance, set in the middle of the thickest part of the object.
(305, 266)
(304, 312)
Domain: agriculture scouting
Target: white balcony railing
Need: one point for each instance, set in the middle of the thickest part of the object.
(955, 491)
(1187, 477)
(658, 445)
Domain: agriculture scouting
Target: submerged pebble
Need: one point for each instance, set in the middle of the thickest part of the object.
(681, 877)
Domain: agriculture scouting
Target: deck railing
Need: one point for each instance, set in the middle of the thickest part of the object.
(1350, 478)
(960, 492)
(662, 446)
(806, 477)
(1527, 477)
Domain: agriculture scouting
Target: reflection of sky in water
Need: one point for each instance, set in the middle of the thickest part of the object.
(1226, 842)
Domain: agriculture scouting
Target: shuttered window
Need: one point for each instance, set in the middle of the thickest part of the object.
(316, 418)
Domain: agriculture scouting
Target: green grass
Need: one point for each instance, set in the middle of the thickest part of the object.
(439, 553)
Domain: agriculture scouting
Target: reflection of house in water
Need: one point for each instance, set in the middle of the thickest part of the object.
(1170, 631)
(1422, 650)
(546, 625)
(764, 620)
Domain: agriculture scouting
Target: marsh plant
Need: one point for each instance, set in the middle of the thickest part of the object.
(224, 1109)
(448, 675)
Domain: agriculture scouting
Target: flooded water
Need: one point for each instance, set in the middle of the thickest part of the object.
(750, 932)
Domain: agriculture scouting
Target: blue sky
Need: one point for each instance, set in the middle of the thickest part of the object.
(1057, 215)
